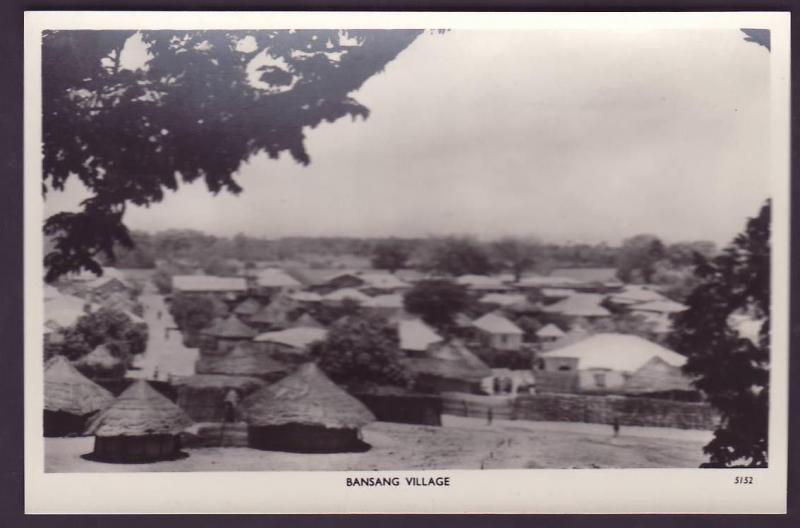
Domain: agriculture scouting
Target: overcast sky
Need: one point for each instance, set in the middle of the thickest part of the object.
(570, 136)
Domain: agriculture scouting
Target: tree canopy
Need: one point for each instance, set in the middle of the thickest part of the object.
(437, 301)
(362, 350)
(202, 103)
(456, 256)
(729, 367)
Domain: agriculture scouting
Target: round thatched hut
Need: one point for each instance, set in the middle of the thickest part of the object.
(305, 412)
(224, 334)
(448, 367)
(141, 426)
(70, 398)
(202, 396)
(101, 365)
(273, 316)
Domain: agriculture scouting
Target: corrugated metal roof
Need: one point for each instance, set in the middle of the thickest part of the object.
(276, 278)
(626, 353)
(415, 335)
(580, 305)
(208, 283)
(495, 323)
(297, 337)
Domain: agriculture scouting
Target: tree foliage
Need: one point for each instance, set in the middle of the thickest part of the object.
(515, 255)
(193, 313)
(105, 326)
(437, 301)
(203, 102)
(390, 255)
(730, 368)
(456, 256)
(362, 350)
(637, 258)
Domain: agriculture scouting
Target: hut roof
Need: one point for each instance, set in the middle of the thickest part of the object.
(50, 292)
(299, 338)
(67, 390)
(231, 327)
(450, 360)
(580, 305)
(495, 323)
(305, 397)
(276, 278)
(275, 313)
(101, 357)
(244, 360)
(140, 410)
(393, 300)
(482, 282)
(626, 353)
(305, 296)
(347, 293)
(248, 306)
(416, 335)
(558, 293)
(208, 283)
(542, 281)
(220, 381)
(633, 294)
(503, 299)
(665, 306)
(306, 321)
(550, 330)
(383, 281)
(657, 376)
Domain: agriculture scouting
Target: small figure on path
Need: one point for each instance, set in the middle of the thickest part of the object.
(615, 425)
(155, 373)
(489, 416)
(231, 402)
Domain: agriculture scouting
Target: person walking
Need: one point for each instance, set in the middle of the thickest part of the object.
(231, 403)
(615, 426)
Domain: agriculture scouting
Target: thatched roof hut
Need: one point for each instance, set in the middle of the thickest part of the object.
(248, 307)
(70, 398)
(101, 364)
(306, 321)
(202, 396)
(229, 328)
(141, 425)
(305, 412)
(448, 367)
(245, 359)
(275, 315)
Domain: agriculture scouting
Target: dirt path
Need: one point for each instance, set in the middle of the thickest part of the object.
(165, 355)
(412, 447)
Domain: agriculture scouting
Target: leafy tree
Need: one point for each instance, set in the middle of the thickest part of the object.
(193, 313)
(458, 256)
(108, 327)
(731, 369)
(515, 255)
(204, 102)
(362, 350)
(390, 255)
(637, 258)
(437, 301)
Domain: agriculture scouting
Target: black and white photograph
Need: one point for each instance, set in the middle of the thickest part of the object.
(359, 250)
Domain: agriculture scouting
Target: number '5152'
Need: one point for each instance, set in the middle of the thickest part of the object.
(743, 480)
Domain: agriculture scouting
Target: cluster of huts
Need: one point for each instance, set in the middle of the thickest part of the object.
(304, 412)
(257, 360)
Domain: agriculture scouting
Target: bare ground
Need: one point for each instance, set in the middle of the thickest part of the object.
(462, 444)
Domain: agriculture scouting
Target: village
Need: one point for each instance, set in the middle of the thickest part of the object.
(566, 369)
